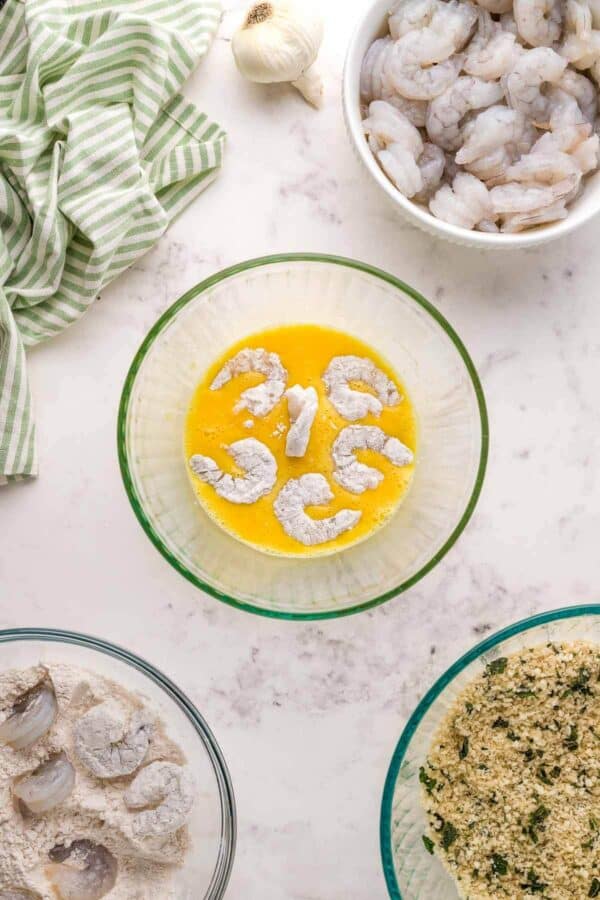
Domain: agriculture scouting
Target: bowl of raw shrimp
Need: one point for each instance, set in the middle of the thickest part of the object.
(478, 120)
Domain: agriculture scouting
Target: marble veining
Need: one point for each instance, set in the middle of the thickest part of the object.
(308, 714)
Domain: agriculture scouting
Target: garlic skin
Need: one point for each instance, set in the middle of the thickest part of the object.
(278, 42)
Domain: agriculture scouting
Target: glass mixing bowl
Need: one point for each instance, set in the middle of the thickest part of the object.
(212, 827)
(410, 872)
(395, 320)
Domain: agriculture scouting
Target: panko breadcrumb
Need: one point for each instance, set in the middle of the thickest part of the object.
(511, 785)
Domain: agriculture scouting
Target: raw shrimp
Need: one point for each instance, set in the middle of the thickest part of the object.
(526, 198)
(375, 86)
(545, 168)
(401, 168)
(491, 169)
(539, 21)
(507, 23)
(446, 112)
(520, 221)
(566, 139)
(496, 7)
(583, 90)
(454, 20)
(582, 54)
(578, 18)
(492, 129)
(492, 52)
(370, 73)
(409, 15)
(466, 203)
(396, 144)
(587, 154)
(387, 125)
(524, 83)
(412, 69)
(414, 110)
(431, 163)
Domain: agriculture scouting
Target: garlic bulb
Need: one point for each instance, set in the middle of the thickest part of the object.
(279, 41)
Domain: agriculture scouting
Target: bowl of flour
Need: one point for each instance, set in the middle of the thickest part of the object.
(111, 783)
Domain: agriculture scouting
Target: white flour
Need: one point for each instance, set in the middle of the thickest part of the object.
(96, 809)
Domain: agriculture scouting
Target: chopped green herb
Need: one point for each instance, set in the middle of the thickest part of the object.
(572, 739)
(581, 684)
(536, 821)
(534, 885)
(449, 835)
(525, 692)
(464, 749)
(594, 888)
(512, 736)
(542, 774)
(499, 864)
(429, 845)
(426, 780)
(469, 707)
(500, 723)
(497, 666)
(594, 825)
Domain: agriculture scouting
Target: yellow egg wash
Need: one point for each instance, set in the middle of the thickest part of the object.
(212, 425)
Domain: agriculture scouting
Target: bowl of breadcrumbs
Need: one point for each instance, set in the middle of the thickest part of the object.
(494, 788)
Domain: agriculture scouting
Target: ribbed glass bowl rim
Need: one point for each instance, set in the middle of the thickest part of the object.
(210, 282)
(222, 871)
(385, 829)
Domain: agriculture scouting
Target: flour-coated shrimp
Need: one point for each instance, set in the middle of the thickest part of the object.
(408, 15)
(492, 129)
(447, 112)
(492, 52)
(466, 203)
(525, 83)
(411, 71)
(539, 21)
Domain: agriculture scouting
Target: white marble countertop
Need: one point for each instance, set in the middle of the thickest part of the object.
(308, 714)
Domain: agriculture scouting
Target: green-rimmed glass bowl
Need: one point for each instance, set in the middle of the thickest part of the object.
(212, 826)
(410, 872)
(417, 341)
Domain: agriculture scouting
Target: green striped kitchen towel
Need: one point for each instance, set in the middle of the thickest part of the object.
(98, 153)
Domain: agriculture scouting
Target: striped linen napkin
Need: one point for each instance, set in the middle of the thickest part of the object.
(98, 153)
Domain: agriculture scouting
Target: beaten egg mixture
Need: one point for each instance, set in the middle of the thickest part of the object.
(212, 425)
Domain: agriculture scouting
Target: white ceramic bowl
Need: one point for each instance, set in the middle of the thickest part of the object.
(372, 26)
